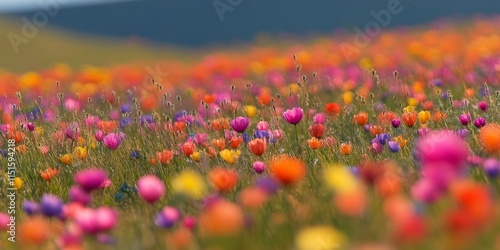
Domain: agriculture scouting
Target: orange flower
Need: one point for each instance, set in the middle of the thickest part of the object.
(410, 119)
(287, 169)
(49, 173)
(219, 143)
(314, 143)
(489, 136)
(211, 152)
(165, 156)
(439, 116)
(361, 118)
(179, 126)
(221, 218)
(351, 203)
(34, 230)
(257, 146)
(107, 126)
(209, 98)
(376, 129)
(220, 124)
(22, 149)
(18, 136)
(235, 142)
(148, 103)
(253, 197)
(333, 108)
(188, 148)
(385, 118)
(223, 180)
(346, 148)
(66, 159)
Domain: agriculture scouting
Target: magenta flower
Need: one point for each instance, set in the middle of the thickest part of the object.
(259, 167)
(480, 122)
(90, 179)
(396, 123)
(99, 135)
(150, 188)
(293, 116)
(168, 217)
(106, 218)
(92, 120)
(112, 141)
(240, 124)
(77, 194)
(442, 146)
(425, 191)
(73, 131)
(482, 105)
(465, 119)
(85, 219)
(4, 220)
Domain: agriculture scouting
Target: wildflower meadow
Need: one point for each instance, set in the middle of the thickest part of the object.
(299, 146)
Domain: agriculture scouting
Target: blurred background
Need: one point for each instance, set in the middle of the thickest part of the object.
(36, 34)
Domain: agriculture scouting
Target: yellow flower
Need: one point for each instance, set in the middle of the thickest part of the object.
(81, 152)
(294, 88)
(230, 156)
(189, 183)
(195, 156)
(18, 183)
(250, 110)
(347, 96)
(401, 141)
(339, 179)
(320, 237)
(412, 102)
(93, 144)
(66, 159)
(408, 109)
(39, 130)
(424, 116)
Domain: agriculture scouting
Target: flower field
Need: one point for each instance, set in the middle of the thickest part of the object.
(292, 146)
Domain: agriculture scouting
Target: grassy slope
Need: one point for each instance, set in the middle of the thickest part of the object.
(51, 46)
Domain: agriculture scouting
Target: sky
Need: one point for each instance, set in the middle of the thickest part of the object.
(24, 5)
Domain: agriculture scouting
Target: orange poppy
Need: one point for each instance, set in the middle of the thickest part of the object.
(165, 156)
(314, 143)
(219, 143)
(257, 146)
(49, 173)
(235, 142)
(410, 119)
(223, 180)
(287, 169)
(333, 108)
(346, 148)
(361, 118)
(489, 136)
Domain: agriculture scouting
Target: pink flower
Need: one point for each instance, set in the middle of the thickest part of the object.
(71, 104)
(90, 179)
(112, 141)
(4, 221)
(44, 149)
(92, 120)
(293, 116)
(319, 118)
(442, 146)
(150, 188)
(99, 135)
(262, 125)
(259, 167)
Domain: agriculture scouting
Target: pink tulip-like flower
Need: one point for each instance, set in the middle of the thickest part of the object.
(480, 122)
(465, 119)
(262, 125)
(442, 146)
(240, 124)
(112, 141)
(99, 135)
(259, 167)
(278, 134)
(92, 120)
(319, 118)
(293, 116)
(90, 179)
(71, 104)
(483, 106)
(150, 188)
(44, 149)
(4, 220)
(85, 219)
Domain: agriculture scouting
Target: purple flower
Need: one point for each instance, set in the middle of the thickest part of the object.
(463, 133)
(259, 167)
(90, 179)
(465, 119)
(383, 138)
(31, 126)
(112, 141)
(268, 184)
(492, 167)
(51, 205)
(240, 124)
(396, 123)
(393, 146)
(482, 105)
(480, 122)
(168, 217)
(31, 207)
(72, 132)
(293, 116)
(77, 194)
